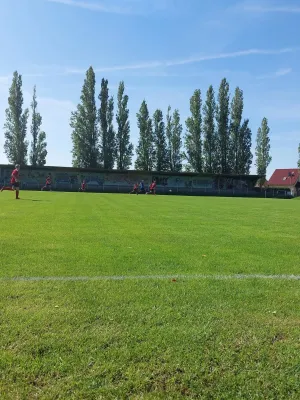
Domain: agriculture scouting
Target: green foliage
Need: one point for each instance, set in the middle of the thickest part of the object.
(299, 156)
(106, 132)
(193, 137)
(223, 138)
(263, 147)
(210, 144)
(145, 151)
(161, 151)
(245, 155)
(15, 127)
(124, 147)
(84, 124)
(38, 152)
(235, 150)
(173, 133)
(169, 136)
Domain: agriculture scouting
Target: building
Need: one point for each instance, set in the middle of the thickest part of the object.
(97, 180)
(286, 180)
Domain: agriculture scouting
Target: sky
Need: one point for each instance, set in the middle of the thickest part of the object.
(163, 50)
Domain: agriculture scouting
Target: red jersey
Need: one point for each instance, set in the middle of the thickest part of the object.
(135, 186)
(14, 176)
(48, 181)
(83, 185)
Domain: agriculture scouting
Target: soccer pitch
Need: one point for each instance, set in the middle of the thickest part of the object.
(149, 297)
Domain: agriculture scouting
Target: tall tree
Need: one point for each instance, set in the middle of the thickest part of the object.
(245, 155)
(123, 145)
(38, 151)
(145, 150)
(223, 128)
(169, 137)
(299, 156)
(210, 153)
(84, 124)
(236, 142)
(161, 151)
(111, 136)
(263, 147)
(107, 133)
(176, 143)
(15, 127)
(193, 139)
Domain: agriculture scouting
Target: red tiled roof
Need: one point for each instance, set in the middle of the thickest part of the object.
(285, 177)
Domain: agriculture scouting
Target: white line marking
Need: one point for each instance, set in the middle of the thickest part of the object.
(144, 277)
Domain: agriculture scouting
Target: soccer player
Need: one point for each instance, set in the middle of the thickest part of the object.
(14, 181)
(135, 189)
(83, 186)
(48, 183)
(142, 187)
(153, 187)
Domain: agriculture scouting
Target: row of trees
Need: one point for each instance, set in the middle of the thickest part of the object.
(15, 128)
(216, 138)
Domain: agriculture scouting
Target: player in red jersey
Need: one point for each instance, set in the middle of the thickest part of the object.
(48, 183)
(135, 189)
(14, 181)
(83, 186)
(152, 188)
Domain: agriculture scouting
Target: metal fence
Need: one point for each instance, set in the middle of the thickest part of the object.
(166, 190)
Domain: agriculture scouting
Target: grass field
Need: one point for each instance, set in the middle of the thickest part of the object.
(174, 326)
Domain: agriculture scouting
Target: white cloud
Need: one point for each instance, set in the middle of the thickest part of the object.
(118, 6)
(277, 74)
(283, 71)
(99, 7)
(183, 61)
(290, 9)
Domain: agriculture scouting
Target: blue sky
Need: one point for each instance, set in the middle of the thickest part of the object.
(163, 50)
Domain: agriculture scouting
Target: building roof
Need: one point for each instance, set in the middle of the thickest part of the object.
(285, 177)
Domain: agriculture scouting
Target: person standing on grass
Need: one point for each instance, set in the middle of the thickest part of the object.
(14, 181)
(153, 187)
(142, 187)
(83, 186)
(48, 183)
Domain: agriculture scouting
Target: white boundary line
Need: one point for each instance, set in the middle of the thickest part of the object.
(144, 277)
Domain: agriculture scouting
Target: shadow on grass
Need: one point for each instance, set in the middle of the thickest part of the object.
(34, 200)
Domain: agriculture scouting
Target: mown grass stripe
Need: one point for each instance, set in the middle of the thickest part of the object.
(147, 277)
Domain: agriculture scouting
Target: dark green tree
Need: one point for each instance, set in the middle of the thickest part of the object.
(106, 132)
(176, 143)
(210, 153)
(111, 135)
(245, 155)
(38, 151)
(15, 126)
(161, 151)
(123, 145)
(193, 137)
(263, 147)
(299, 156)
(145, 151)
(236, 142)
(169, 137)
(223, 138)
(84, 125)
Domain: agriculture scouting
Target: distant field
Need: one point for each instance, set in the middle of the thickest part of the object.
(163, 297)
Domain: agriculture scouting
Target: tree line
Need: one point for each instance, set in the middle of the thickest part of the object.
(215, 137)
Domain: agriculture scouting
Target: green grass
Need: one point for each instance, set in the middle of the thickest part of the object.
(148, 338)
